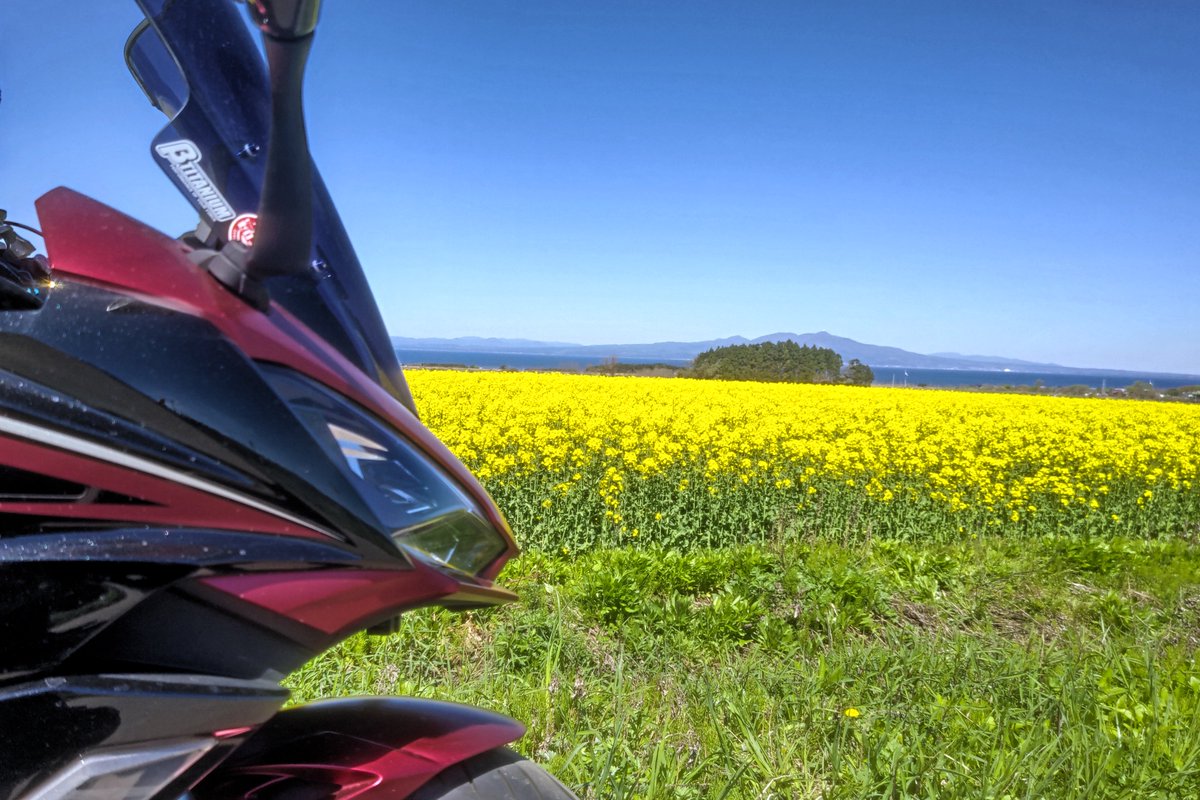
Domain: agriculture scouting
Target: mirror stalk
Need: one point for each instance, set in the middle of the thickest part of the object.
(283, 231)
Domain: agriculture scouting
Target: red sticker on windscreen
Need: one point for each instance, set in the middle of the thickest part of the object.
(241, 230)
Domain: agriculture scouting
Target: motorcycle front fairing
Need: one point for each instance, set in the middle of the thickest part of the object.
(181, 527)
(197, 496)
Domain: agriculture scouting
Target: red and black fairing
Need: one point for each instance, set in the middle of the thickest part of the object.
(174, 538)
(164, 515)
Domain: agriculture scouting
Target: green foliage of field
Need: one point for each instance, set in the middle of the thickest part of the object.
(590, 463)
(1045, 666)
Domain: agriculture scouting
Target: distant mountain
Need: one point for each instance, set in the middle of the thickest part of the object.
(875, 356)
(880, 356)
(993, 360)
(666, 351)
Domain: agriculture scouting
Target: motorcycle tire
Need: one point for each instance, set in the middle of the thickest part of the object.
(498, 774)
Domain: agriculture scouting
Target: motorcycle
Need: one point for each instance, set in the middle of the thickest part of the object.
(212, 470)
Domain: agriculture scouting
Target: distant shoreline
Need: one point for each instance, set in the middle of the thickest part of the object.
(884, 376)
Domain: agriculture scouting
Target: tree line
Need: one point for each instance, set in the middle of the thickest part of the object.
(779, 362)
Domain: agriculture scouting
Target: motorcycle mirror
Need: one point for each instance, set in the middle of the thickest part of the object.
(285, 19)
(283, 233)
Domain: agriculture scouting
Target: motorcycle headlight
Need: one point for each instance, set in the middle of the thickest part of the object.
(425, 510)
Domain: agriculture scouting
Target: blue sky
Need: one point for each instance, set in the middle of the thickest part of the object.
(1016, 178)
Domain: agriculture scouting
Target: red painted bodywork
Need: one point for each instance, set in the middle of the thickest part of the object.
(90, 242)
(166, 502)
(357, 748)
(337, 600)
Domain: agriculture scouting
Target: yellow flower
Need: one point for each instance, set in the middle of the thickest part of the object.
(635, 446)
(852, 712)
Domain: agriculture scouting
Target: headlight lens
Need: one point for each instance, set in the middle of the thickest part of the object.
(427, 513)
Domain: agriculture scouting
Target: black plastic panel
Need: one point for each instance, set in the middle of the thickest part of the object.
(176, 631)
(47, 609)
(46, 724)
(22, 485)
(60, 591)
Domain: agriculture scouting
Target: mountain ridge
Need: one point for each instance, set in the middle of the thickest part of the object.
(875, 356)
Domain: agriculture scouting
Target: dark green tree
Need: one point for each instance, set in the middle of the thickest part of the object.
(770, 361)
(859, 374)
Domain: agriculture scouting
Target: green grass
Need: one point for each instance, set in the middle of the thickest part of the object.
(1045, 667)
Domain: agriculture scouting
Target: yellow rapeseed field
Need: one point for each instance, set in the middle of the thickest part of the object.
(577, 461)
